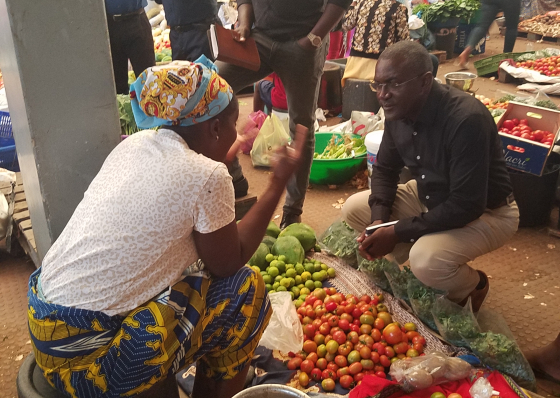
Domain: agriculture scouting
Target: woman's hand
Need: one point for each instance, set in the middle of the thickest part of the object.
(288, 158)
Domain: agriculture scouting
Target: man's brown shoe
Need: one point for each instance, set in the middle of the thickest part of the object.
(479, 294)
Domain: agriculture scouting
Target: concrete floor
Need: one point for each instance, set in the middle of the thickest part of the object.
(529, 263)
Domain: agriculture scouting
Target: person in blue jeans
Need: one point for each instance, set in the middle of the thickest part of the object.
(489, 9)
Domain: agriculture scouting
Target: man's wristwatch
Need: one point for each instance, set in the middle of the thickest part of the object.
(315, 40)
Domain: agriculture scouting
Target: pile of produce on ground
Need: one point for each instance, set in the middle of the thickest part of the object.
(342, 147)
(521, 129)
(546, 66)
(546, 25)
(280, 258)
(348, 337)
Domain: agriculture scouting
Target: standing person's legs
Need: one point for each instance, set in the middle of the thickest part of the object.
(139, 45)
(189, 45)
(117, 36)
(511, 9)
(488, 11)
(300, 70)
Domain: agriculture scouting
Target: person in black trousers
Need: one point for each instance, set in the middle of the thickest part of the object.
(489, 9)
(130, 36)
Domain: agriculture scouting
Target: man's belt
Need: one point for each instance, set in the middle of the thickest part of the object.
(123, 17)
(507, 201)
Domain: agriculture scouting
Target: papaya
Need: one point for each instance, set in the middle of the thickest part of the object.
(272, 229)
(303, 232)
(290, 247)
(259, 258)
(269, 241)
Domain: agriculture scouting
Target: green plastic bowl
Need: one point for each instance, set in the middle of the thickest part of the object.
(333, 171)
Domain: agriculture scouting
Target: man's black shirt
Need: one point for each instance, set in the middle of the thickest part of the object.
(454, 153)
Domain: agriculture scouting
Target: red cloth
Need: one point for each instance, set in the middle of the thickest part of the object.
(336, 45)
(278, 94)
(371, 386)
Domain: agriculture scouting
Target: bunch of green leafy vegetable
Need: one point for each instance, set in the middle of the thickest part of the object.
(455, 323)
(340, 240)
(398, 280)
(342, 148)
(448, 9)
(128, 124)
(422, 300)
(376, 271)
(503, 354)
(546, 104)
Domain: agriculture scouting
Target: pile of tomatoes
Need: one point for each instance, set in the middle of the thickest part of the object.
(547, 66)
(520, 128)
(347, 337)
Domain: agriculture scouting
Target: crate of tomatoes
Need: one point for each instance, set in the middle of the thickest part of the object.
(528, 134)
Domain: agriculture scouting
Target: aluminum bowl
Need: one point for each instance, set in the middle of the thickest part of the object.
(271, 391)
(461, 80)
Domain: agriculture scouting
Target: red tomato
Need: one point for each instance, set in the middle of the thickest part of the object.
(538, 135)
(347, 317)
(365, 298)
(515, 121)
(524, 122)
(379, 323)
(367, 364)
(412, 353)
(358, 377)
(294, 363)
(328, 374)
(341, 361)
(319, 339)
(355, 368)
(339, 336)
(344, 325)
(353, 337)
(418, 347)
(381, 374)
(316, 374)
(344, 349)
(393, 334)
(390, 352)
(307, 366)
(333, 321)
(309, 330)
(400, 348)
(355, 328)
(325, 328)
(378, 347)
(346, 381)
(356, 313)
(342, 372)
(331, 306)
(384, 361)
(374, 357)
(365, 352)
(508, 124)
(321, 363)
(366, 340)
(376, 334)
(309, 346)
(313, 357)
(330, 357)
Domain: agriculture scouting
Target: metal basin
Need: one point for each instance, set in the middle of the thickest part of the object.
(461, 80)
(271, 391)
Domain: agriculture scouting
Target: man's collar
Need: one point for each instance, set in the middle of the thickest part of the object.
(432, 104)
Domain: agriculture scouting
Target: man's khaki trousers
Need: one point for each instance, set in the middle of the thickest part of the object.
(440, 259)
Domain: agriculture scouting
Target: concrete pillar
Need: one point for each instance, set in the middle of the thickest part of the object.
(55, 58)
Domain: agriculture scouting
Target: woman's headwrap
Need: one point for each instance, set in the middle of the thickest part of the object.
(179, 93)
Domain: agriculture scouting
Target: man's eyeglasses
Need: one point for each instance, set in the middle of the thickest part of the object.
(391, 86)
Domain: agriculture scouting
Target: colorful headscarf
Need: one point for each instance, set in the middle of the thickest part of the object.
(179, 93)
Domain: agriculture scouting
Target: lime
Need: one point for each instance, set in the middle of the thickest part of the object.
(289, 266)
(317, 276)
(292, 282)
(256, 269)
(298, 279)
(324, 267)
(410, 327)
(263, 273)
(309, 267)
(268, 287)
(267, 279)
(293, 295)
(331, 272)
(310, 285)
(299, 269)
(296, 291)
(318, 284)
(273, 272)
(300, 285)
(291, 273)
(281, 266)
(281, 289)
(274, 263)
(278, 278)
(306, 276)
(285, 282)
(304, 290)
(324, 275)
(269, 257)
(317, 267)
(302, 296)
(275, 285)
(282, 258)
(438, 395)
(298, 303)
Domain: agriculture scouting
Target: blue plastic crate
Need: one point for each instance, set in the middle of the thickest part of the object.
(6, 133)
(8, 158)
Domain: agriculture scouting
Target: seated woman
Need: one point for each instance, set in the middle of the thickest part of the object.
(149, 274)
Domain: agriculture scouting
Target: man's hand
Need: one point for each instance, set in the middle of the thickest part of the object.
(380, 243)
(305, 43)
(241, 33)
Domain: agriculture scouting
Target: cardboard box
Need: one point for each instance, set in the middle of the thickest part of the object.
(526, 155)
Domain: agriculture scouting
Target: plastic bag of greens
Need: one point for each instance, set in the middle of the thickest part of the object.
(502, 353)
(422, 300)
(454, 321)
(398, 280)
(340, 240)
(376, 271)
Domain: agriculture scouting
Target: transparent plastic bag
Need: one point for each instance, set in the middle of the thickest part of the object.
(398, 280)
(496, 347)
(340, 240)
(422, 299)
(481, 388)
(284, 332)
(454, 321)
(431, 369)
(271, 136)
(376, 271)
(251, 129)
